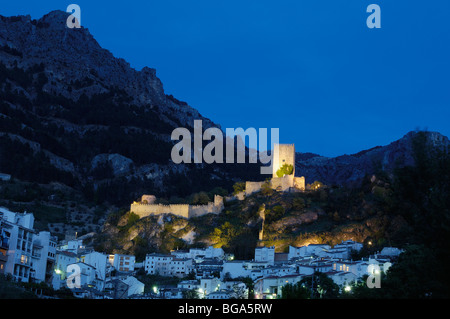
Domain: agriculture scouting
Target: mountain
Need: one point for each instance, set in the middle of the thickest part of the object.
(73, 113)
(75, 116)
(351, 169)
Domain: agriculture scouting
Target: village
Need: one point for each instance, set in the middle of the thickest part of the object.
(206, 273)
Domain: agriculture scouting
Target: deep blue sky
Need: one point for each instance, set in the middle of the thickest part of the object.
(311, 68)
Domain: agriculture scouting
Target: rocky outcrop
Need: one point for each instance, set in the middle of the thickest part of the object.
(76, 64)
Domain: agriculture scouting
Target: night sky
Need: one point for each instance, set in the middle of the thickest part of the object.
(311, 68)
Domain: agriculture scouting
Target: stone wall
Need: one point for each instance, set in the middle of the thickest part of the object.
(282, 183)
(299, 183)
(144, 210)
(183, 210)
(252, 187)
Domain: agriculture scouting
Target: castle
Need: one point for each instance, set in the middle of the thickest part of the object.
(282, 154)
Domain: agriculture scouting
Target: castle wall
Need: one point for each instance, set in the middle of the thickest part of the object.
(238, 196)
(199, 210)
(144, 210)
(252, 187)
(282, 183)
(182, 210)
(299, 182)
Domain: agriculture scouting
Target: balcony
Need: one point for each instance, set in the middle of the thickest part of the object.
(23, 260)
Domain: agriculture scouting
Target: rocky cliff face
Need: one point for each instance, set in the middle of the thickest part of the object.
(75, 64)
(71, 109)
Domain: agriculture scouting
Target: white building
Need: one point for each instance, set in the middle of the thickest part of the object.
(203, 253)
(270, 287)
(350, 245)
(189, 284)
(87, 276)
(19, 229)
(318, 250)
(135, 287)
(63, 259)
(278, 270)
(75, 246)
(123, 263)
(43, 257)
(222, 294)
(242, 268)
(158, 264)
(100, 263)
(265, 254)
(180, 267)
(209, 285)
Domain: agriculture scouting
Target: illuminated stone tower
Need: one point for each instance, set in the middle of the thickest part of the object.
(283, 154)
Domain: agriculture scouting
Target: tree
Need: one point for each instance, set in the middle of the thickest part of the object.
(238, 187)
(249, 284)
(295, 291)
(201, 198)
(320, 286)
(266, 189)
(286, 169)
(190, 294)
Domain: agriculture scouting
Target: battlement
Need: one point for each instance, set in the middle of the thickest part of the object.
(143, 208)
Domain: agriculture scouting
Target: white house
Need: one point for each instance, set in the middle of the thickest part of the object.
(63, 259)
(278, 270)
(180, 267)
(308, 250)
(344, 249)
(242, 268)
(75, 246)
(234, 269)
(135, 287)
(265, 254)
(158, 264)
(18, 228)
(189, 284)
(209, 285)
(43, 257)
(222, 294)
(86, 274)
(270, 287)
(123, 263)
(209, 252)
(100, 262)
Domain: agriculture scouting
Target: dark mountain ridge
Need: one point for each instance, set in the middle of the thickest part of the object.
(351, 169)
(71, 112)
